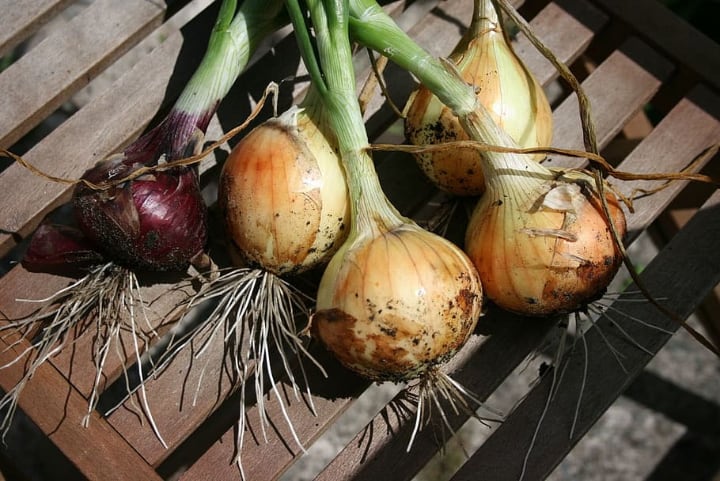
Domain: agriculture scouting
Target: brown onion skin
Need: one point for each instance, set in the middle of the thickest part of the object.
(156, 222)
(392, 307)
(540, 276)
(283, 197)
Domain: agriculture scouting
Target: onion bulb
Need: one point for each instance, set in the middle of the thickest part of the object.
(541, 242)
(396, 302)
(157, 221)
(283, 195)
(507, 89)
(61, 250)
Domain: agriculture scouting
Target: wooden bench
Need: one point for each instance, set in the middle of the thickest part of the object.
(641, 53)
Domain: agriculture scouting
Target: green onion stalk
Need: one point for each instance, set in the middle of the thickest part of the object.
(396, 301)
(235, 37)
(156, 221)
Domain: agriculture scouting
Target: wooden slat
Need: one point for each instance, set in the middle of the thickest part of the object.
(368, 460)
(627, 98)
(690, 128)
(682, 274)
(39, 82)
(181, 408)
(97, 450)
(659, 26)
(20, 20)
(566, 27)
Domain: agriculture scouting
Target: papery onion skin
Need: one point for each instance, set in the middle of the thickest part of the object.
(528, 268)
(283, 196)
(396, 305)
(156, 222)
(60, 249)
(512, 95)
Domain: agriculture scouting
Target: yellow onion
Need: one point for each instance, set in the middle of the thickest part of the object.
(541, 242)
(506, 88)
(285, 205)
(395, 300)
(284, 196)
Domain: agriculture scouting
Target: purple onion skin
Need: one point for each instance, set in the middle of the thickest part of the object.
(156, 222)
(174, 137)
(60, 249)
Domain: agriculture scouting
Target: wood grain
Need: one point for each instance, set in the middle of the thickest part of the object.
(660, 27)
(38, 83)
(19, 21)
(57, 408)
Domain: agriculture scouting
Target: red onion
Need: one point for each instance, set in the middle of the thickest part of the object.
(157, 221)
(60, 249)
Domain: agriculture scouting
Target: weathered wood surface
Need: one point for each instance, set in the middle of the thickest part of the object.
(17, 24)
(37, 84)
(201, 433)
(660, 26)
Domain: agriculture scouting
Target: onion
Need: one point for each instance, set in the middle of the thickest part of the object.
(61, 250)
(157, 221)
(284, 202)
(283, 194)
(541, 242)
(395, 302)
(515, 100)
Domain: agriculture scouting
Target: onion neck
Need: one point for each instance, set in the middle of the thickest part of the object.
(333, 78)
(373, 28)
(484, 19)
(234, 38)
